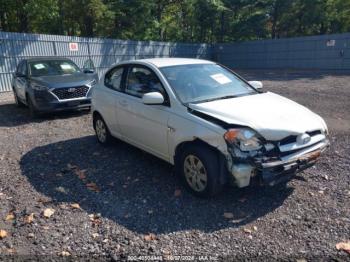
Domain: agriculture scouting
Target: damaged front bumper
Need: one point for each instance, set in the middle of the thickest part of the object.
(274, 171)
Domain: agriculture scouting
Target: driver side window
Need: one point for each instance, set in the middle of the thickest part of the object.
(142, 80)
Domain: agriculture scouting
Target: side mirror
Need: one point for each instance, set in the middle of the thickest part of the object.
(89, 71)
(153, 98)
(256, 84)
(18, 74)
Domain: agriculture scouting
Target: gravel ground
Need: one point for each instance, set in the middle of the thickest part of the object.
(116, 202)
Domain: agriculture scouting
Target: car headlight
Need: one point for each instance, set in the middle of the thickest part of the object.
(39, 87)
(92, 83)
(245, 138)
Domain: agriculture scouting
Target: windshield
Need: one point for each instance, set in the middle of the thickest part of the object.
(204, 82)
(53, 67)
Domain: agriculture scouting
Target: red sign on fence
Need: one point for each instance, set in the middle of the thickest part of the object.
(73, 46)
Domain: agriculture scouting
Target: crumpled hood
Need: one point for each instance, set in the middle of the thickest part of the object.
(271, 115)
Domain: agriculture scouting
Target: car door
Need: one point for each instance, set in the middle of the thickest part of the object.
(21, 80)
(140, 124)
(108, 96)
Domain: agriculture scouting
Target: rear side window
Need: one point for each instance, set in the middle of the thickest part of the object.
(113, 79)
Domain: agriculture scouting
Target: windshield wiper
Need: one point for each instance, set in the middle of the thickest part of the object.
(213, 99)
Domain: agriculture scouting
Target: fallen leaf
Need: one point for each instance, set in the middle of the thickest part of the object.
(150, 237)
(75, 206)
(61, 189)
(3, 234)
(10, 216)
(81, 174)
(177, 193)
(93, 187)
(63, 206)
(242, 200)
(71, 167)
(29, 218)
(228, 215)
(95, 235)
(11, 250)
(64, 254)
(95, 219)
(247, 230)
(48, 212)
(345, 246)
(301, 260)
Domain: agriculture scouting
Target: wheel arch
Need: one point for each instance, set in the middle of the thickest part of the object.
(95, 113)
(199, 142)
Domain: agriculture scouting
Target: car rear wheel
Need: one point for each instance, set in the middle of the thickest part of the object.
(199, 170)
(102, 133)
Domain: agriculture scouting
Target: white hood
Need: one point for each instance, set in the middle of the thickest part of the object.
(271, 115)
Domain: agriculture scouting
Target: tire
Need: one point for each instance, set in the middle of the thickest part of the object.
(198, 167)
(17, 100)
(102, 132)
(32, 110)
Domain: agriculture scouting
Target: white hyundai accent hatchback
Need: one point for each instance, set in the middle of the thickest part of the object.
(215, 127)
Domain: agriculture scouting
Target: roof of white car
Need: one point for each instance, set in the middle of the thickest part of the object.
(163, 62)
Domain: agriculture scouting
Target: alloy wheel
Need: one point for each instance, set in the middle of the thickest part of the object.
(195, 173)
(101, 131)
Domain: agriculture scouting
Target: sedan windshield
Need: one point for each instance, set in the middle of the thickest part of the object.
(204, 82)
(53, 67)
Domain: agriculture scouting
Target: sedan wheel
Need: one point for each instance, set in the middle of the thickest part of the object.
(195, 173)
(101, 129)
(17, 100)
(199, 169)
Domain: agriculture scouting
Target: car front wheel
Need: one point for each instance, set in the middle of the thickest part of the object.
(17, 100)
(199, 170)
(32, 110)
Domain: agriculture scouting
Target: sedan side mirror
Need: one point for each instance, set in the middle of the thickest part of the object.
(153, 98)
(89, 71)
(18, 74)
(256, 84)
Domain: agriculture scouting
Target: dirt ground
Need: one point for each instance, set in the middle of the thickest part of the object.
(62, 194)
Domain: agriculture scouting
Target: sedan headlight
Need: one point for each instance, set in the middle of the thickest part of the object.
(245, 138)
(92, 83)
(39, 87)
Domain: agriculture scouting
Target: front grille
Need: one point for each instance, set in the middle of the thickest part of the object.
(293, 139)
(71, 92)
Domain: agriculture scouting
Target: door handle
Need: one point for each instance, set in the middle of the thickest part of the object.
(123, 103)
